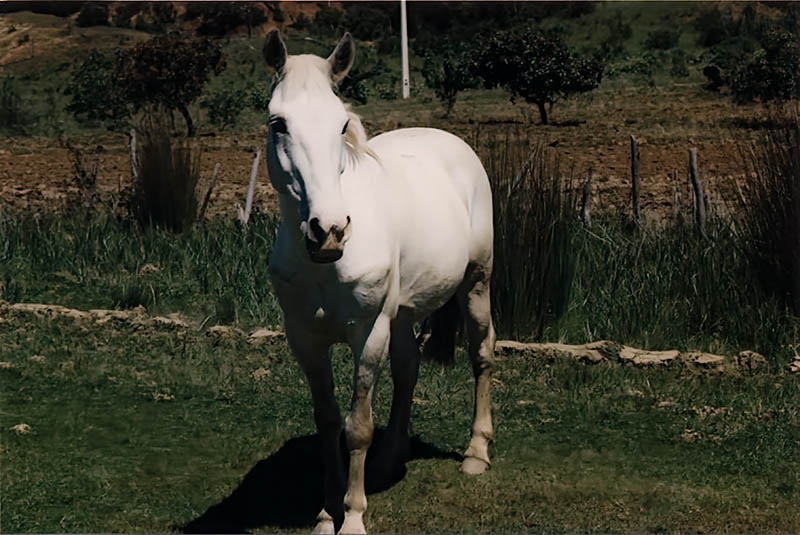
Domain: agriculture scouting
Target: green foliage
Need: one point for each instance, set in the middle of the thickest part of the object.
(259, 98)
(771, 73)
(534, 219)
(225, 105)
(369, 68)
(662, 39)
(449, 72)
(169, 71)
(678, 67)
(93, 14)
(165, 193)
(535, 66)
(12, 115)
(95, 94)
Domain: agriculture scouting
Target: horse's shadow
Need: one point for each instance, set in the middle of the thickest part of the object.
(286, 489)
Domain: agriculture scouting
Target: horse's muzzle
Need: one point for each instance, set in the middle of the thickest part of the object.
(326, 246)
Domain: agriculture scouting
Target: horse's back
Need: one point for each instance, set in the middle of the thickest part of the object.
(441, 207)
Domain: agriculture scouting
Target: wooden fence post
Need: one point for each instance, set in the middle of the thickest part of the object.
(635, 179)
(586, 198)
(700, 212)
(244, 215)
(208, 193)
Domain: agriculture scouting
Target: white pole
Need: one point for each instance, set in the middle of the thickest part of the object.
(404, 47)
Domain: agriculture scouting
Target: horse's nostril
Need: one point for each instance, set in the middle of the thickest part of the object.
(319, 234)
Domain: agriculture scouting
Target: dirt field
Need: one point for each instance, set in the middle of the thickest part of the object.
(596, 130)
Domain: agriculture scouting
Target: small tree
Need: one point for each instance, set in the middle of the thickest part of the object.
(449, 72)
(95, 94)
(169, 71)
(770, 73)
(225, 105)
(536, 67)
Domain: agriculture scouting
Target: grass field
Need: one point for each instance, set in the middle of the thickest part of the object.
(146, 429)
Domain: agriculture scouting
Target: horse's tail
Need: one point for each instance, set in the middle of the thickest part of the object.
(439, 333)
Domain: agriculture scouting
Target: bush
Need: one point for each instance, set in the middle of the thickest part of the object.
(12, 116)
(678, 67)
(535, 217)
(770, 227)
(93, 14)
(259, 99)
(224, 106)
(662, 39)
(448, 73)
(165, 192)
(771, 73)
(95, 92)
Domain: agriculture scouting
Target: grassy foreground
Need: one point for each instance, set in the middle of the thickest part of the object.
(145, 429)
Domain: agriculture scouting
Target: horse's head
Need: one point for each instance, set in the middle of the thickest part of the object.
(306, 145)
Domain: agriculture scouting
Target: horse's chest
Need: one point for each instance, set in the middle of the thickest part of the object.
(326, 303)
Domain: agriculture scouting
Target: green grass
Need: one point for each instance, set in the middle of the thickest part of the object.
(144, 430)
(67, 260)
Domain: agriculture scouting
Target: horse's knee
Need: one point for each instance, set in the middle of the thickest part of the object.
(358, 428)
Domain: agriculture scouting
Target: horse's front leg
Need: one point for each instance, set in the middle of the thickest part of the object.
(313, 356)
(370, 346)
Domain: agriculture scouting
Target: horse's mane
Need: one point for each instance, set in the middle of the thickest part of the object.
(355, 137)
(307, 72)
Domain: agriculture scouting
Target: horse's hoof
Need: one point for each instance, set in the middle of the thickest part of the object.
(324, 527)
(474, 466)
(353, 525)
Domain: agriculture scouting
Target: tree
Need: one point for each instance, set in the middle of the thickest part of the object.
(448, 72)
(536, 67)
(771, 72)
(96, 96)
(168, 71)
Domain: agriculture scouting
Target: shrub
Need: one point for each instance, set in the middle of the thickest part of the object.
(165, 191)
(662, 39)
(678, 67)
(225, 105)
(771, 73)
(770, 227)
(11, 114)
(259, 98)
(534, 218)
(95, 93)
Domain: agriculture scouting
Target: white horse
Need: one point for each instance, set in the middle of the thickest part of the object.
(375, 236)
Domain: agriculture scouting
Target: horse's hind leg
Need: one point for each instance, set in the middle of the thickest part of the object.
(475, 301)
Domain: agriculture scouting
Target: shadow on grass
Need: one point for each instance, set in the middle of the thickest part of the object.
(286, 489)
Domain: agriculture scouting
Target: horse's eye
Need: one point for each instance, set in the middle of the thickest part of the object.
(345, 126)
(278, 125)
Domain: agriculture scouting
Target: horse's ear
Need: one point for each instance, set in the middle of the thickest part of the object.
(341, 60)
(275, 50)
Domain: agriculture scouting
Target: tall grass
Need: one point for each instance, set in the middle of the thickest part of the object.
(165, 193)
(769, 230)
(655, 287)
(669, 287)
(98, 263)
(534, 219)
